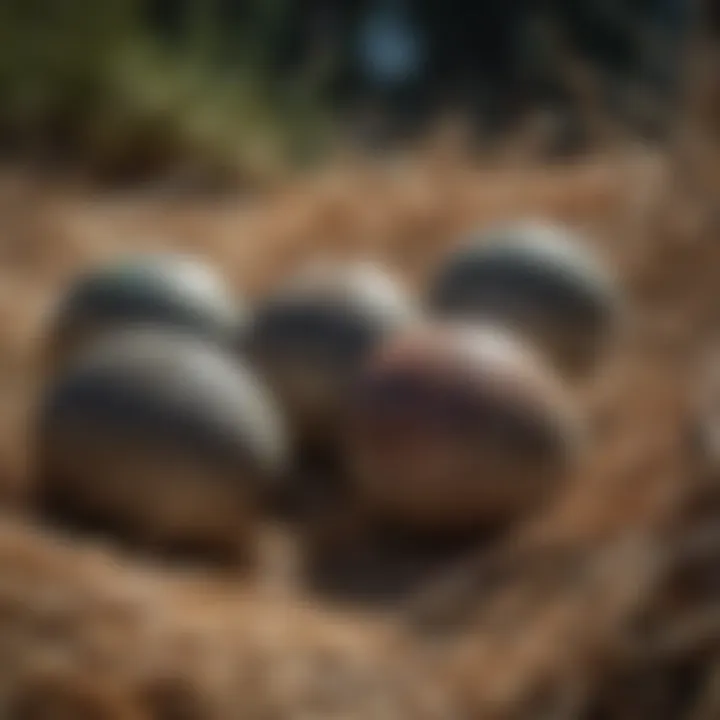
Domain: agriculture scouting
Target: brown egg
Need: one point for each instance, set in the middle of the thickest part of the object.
(456, 427)
(311, 336)
(705, 412)
(161, 438)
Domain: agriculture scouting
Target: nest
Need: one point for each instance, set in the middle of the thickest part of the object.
(602, 607)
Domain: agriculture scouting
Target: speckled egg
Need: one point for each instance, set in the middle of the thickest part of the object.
(456, 428)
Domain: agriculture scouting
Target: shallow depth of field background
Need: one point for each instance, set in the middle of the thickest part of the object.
(249, 133)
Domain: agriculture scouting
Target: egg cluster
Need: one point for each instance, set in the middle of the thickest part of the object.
(174, 409)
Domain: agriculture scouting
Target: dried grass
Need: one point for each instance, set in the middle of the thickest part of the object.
(603, 607)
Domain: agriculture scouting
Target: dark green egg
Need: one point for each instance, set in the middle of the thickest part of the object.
(161, 290)
(540, 279)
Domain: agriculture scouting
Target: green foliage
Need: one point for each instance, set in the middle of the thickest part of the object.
(93, 83)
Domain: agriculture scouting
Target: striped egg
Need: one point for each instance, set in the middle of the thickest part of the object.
(164, 290)
(312, 334)
(162, 438)
(541, 280)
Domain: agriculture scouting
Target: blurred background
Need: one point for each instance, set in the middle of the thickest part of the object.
(134, 87)
(259, 133)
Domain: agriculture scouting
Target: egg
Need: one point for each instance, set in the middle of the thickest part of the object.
(456, 427)
(161, 438)
(310, 336)
(165, 290)
(541, 280)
